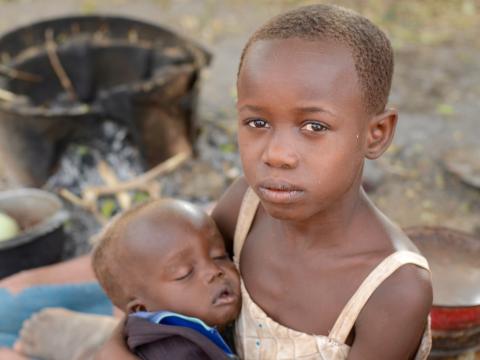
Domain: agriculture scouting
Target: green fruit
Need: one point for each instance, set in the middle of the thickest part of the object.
(8, 227)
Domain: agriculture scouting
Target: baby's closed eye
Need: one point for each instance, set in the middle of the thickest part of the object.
(221, 257)
(184, 274)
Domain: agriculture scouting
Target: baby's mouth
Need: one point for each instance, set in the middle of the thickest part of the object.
(224, 296)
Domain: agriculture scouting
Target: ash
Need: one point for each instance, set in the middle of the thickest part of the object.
(200, 180)
(78, 164)
(77, 168)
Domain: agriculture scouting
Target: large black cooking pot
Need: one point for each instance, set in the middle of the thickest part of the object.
(125, 70)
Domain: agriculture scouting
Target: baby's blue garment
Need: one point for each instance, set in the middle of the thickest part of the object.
(14, 309)
(175, 319)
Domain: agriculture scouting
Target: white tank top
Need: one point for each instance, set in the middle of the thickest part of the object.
(258, 337)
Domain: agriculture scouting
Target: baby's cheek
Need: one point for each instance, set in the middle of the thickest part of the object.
(233, 274)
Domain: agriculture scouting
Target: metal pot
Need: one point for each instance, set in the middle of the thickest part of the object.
(454, 259)
(41, 216)
(135, 73)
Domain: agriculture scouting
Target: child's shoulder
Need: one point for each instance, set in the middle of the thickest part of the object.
(227, 209)
(409, 286)
(396, 312)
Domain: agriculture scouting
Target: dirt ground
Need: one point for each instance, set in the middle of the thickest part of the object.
(436, 88)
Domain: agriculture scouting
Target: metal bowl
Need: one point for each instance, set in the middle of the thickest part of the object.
(454, 259)
(41, 216)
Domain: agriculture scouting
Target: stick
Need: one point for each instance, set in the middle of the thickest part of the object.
(6, 95)
(110, 179)
(11, 97)
(51, 47)
(74, 199)
(145, 181)
(142, 180)
(88, 203)
(18, 74)
(154, 190)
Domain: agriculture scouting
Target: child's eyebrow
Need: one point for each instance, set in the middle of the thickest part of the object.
(314, 109)
(250, 107)
(301, 109)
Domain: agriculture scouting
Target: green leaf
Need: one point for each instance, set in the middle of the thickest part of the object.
(108, 208)
(140, 197)
(445, 109)
(82, 150)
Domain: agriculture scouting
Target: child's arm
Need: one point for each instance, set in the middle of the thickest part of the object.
(226, 211)
(392, 322)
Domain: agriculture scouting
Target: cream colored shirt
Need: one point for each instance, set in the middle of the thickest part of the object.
(258, 337)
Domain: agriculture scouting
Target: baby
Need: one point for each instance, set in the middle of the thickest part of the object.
(165, 264)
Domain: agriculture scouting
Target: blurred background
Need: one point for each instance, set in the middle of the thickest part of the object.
(436, 89)
(429, 177)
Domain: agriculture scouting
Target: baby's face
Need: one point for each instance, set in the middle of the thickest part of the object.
(188, 271)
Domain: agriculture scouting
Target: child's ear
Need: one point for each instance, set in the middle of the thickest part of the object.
(380, 133)
(135, 305)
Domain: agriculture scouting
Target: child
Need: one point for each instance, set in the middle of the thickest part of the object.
(324, 274)
(165, 263)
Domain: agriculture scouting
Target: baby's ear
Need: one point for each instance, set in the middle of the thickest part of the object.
(381, 129)
(135, 305)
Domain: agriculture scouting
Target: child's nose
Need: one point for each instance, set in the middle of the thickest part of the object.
(213, 272)
(280, 152)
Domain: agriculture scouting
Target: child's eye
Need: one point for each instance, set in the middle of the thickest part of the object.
(221, 257)
(184, 276)
(258, 123)
(314, 126)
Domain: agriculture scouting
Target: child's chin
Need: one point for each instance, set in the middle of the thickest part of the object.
(225, 318)
(281, 212)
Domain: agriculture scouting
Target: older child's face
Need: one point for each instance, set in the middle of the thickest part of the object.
(302, 125)
(185, 270)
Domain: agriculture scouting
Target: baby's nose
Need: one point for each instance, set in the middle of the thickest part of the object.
(214, 272)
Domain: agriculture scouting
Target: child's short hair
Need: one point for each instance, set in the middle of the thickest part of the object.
(103, 261)
(370, 47)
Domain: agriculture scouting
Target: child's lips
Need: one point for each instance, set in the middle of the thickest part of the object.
(279, 191)
(225, 296)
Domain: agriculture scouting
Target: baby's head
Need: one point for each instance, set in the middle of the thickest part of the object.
(168, 255)
(312, 87)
